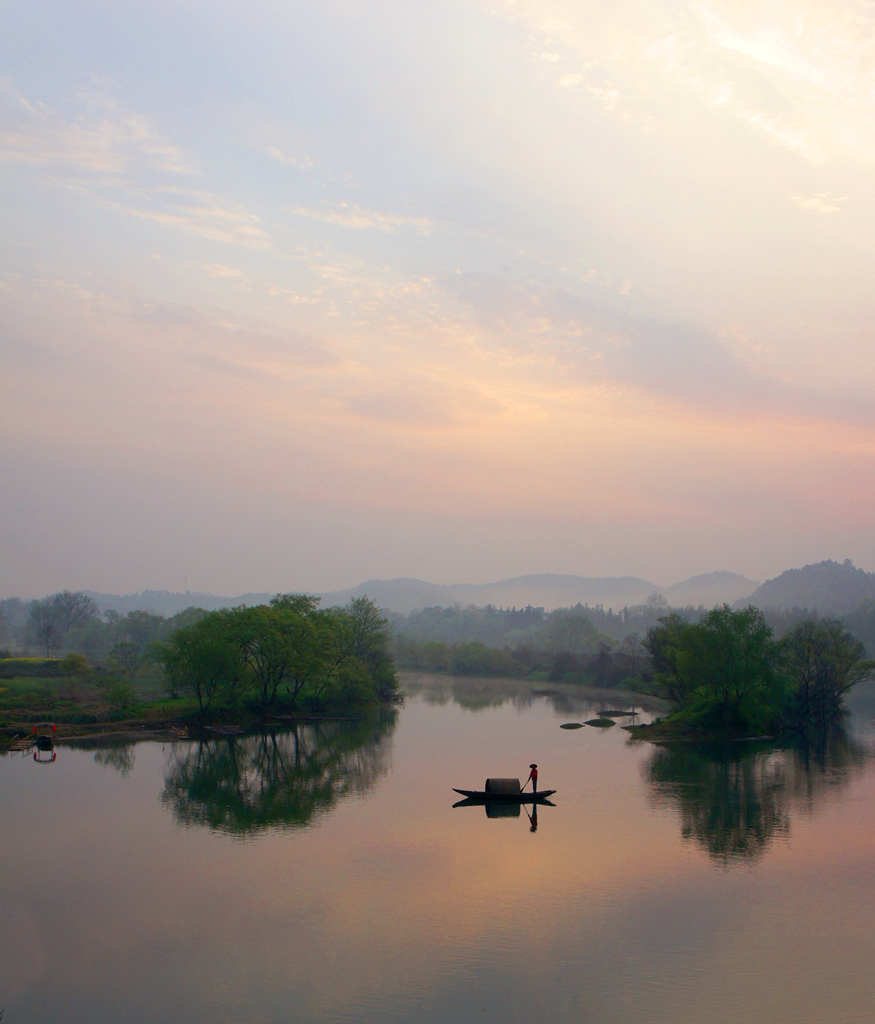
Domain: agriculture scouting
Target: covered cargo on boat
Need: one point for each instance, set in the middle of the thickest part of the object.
(503, 787)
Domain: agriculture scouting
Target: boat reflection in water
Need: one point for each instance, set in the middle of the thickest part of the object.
(505, 809)
(279, 778)
(503, 798)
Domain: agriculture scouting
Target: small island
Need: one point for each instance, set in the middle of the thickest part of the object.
(728, 678)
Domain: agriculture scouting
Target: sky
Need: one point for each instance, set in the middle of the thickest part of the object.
(294, 295)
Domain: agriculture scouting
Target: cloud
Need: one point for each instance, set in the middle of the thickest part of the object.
(797, 77)
(349, 215)
(100, 138)
(197, 212)
(112, 154)
(218, 270)
(294, 297)
(819, 202)
(570, 80)
(608, 98)
(766, 44)
(605, 337)
(302, 163)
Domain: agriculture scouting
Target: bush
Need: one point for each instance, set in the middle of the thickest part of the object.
(118, 693)
(74, 665)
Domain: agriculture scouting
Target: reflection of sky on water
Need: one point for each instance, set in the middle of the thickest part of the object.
(395, 906)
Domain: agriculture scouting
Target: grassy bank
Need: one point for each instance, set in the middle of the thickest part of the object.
(136, 705)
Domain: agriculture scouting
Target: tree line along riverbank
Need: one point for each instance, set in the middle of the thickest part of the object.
(238, 666)
(723, 670)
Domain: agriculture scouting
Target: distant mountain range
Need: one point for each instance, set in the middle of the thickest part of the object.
(548, 590)
(834, 588)
(827, 587)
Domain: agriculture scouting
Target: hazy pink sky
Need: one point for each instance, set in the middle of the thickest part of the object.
(293, 295)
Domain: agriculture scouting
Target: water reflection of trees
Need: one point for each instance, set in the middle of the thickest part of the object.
(110, 752)
(470, 692)
(735, 799)
(246, 784)
(479, 694)
(121, 757)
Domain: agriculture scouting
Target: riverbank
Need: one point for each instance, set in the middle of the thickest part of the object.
(155, 723)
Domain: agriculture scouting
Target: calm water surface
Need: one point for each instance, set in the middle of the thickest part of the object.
(323, 874)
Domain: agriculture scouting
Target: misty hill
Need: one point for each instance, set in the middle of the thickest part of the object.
(710, 589)
(167, 603)
(830, 587)
(400, 595)
(548, 590)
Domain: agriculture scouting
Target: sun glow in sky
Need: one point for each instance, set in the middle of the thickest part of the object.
(292, 295)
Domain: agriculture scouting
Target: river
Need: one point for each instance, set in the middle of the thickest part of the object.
(323, 874)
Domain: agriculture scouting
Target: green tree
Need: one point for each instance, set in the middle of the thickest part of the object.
(824, 661)
(366, 638)
(281, 645)
(673, 645)
(725, 670)
(203, 658)
(126, 656)
(287, 650)
(740, 656)
(569, 629)
(75, 665)
(52, 618)
(118, 692)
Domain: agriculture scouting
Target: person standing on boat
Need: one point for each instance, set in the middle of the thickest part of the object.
(533, 778)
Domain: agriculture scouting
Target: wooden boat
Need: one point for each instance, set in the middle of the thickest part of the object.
(504, 791)
(482, 795)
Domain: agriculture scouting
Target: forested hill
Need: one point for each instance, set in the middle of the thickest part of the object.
(829, 587)
(709, 590)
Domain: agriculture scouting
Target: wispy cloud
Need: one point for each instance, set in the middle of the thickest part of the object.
(100, 138)
(302, 163)
(799, 77)
(766, 44)
(350, 215)
(221, 271)
(819, 202)
(197, 212)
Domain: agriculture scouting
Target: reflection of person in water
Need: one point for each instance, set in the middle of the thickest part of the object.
(533, 818)
(533, 778)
